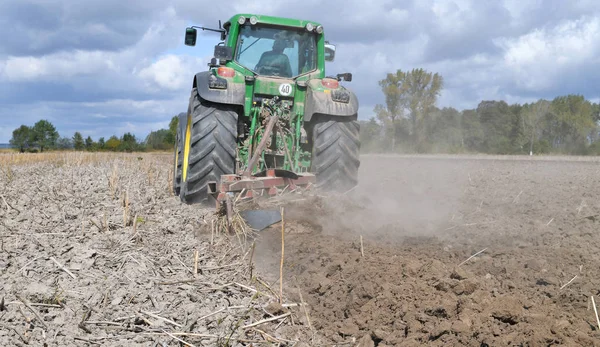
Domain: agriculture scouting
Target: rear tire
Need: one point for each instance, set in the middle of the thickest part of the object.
(336, 153)
(212, 147)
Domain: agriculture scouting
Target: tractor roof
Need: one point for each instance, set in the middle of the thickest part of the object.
(272, 20)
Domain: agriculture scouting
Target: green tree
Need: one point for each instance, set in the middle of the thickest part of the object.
(370, 135)
(415, 91)
(172, 134)
(594, 133)
(20, 138)
(113, 143)
(89, 143)
(422, 89)
(572, 119)
(393, 89)
(44, 135)
(101, 143)
(517, 129)
(78, 142)
(472, 131)
(444, 130)
(533, 115)
(500, 127)
(158, 140)
(64, 143)
(128, 143)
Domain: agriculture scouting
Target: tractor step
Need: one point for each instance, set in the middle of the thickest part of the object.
(266, 182)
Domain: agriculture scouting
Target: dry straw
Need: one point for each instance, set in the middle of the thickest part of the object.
(282, 254)
(127, 189)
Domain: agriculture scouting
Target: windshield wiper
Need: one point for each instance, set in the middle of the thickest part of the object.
(250, 45)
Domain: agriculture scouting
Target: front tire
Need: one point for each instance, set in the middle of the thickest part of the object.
(336, 153)
(211, 148)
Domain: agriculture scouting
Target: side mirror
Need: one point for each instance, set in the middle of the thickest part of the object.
(329, 52)
(347, 76)
(223, 52)
(190, 36)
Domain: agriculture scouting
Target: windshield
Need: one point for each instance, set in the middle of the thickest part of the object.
(276, 52)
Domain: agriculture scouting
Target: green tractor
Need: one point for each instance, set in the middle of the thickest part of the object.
(265, 117)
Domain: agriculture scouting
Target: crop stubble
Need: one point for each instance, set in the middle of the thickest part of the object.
(96, 251)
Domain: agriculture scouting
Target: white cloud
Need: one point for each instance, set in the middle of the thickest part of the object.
(450, 15)
(63, 65)
(158, 37)
(171, 72)
(537, 59)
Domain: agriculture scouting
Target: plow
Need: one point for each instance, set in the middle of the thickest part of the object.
(265, 119)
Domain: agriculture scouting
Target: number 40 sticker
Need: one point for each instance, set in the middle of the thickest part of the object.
(285, 89)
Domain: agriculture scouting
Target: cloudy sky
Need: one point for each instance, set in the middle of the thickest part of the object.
(106, 67)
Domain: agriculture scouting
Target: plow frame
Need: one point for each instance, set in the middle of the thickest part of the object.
(268, 182)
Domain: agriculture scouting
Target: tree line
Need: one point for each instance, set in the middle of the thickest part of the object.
(43, 136)
(409, 122)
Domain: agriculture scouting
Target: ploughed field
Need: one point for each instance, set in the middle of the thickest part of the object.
(96, 251)
(537, 222)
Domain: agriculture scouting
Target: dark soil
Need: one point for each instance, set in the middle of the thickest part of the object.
(538, 223)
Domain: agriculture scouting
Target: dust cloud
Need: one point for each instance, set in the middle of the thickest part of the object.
(414, 197)
(396, 199)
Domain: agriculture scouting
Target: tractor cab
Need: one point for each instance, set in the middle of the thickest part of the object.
(270, 46)
(275, 52)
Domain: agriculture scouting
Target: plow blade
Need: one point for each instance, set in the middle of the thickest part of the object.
(267, 184)
(260, 219)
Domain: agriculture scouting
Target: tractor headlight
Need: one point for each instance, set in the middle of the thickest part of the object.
(320, 29)
(309, 26)
(242, 20)
(253, 20)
